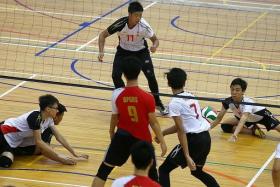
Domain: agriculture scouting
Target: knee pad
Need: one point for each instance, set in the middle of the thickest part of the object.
(6, 159)
(104, 171)
(227, 128)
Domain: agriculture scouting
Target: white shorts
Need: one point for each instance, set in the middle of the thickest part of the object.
(277, 155)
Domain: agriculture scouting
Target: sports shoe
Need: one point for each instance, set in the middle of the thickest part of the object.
(163, 111)
(256, 131)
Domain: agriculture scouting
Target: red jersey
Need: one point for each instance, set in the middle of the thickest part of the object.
(133, 106)
(135, 181)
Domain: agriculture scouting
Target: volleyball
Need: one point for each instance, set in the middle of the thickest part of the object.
(209, 114)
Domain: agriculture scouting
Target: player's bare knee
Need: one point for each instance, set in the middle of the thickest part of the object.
(227, 128)
(6, 159)
(104, 171)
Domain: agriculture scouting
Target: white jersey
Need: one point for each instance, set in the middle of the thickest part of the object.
(189, 110)
(277, 155)
(134, 181)
(242, 108)
(19, 131)
(131, 39)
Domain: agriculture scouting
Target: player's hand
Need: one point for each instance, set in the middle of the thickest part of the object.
(67, 160)
(153, 49)
(233, 138)
(100, 56)
(81, 157)
(163, 148)
(191, 163)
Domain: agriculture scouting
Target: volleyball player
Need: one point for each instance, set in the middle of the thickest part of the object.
(25, 131)
(133, 111)
(248, 116)
(132, 31)
(192, 131)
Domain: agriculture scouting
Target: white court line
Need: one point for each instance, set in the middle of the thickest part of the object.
(251, 3)
(86, 44)
(15, 87)
(261, 170)
(95, 38)
(160, 59)
(53, 13)
(40, 181)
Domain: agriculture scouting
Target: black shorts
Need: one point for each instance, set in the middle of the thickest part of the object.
(199, 145)
(268, 120)
(119, 149)
(28, 150)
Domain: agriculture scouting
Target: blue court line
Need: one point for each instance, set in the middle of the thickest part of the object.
(79, 74)
(82, 26)
(174, 24)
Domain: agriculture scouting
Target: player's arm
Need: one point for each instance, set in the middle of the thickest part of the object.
(113, 124)
(65, 144)
(239, 127)
(219, 117)
(155, 42)
(183, 141)
(156, 129)
(170, 130)
(47, 151)
(101, 43)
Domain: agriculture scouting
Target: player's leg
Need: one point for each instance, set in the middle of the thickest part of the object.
(6, 153)
(153, 174)
(276, 168)
(172, 161)
(117, 154)
(228, 125)
(148, 70)
(199, 147)
(117, 70)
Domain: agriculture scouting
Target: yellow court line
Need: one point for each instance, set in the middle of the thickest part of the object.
(237, 36)
(35, 160)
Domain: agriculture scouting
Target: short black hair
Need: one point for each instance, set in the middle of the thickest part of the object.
(176, 78)
(131, 67)
(46, 101)
(142, 154)
(61, 108)
(135, 7)
(238, 81)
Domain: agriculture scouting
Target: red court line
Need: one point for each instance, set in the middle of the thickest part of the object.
(227, 176)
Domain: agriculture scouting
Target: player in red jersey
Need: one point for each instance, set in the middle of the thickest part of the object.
(133, 110)
(142, 154)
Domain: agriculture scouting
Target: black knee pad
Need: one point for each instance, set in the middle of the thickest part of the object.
(5, 162)
(227, 128)
(104, 171)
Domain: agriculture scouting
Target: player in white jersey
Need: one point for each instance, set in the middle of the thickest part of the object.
(132, 31)
(25, 131)
(247, 116)
(192, 130)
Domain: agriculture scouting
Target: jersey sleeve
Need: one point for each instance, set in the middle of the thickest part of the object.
(121, 182)
(117, 25)
(115, 95)
(174, 109)
(34, 120)
(148, 31)
(226, 102)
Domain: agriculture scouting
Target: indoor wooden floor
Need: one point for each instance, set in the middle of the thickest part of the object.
(86, 123)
